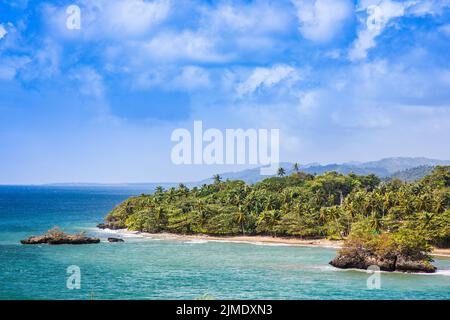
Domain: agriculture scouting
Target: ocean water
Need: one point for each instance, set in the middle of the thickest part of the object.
(170, 269)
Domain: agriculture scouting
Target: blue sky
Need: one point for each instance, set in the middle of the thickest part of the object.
(342, 80)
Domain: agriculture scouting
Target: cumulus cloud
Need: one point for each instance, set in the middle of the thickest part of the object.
(378, 17)
(256, 18)
(191, 78)
(115, 19)
(428, 7)
(322, 20)
(186, 45)
(266, 78)
(134, 16)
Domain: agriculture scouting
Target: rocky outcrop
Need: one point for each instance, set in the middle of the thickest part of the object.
(60, 239)
(391, 262)
(408, 265)
(112, 224)
(115, 240)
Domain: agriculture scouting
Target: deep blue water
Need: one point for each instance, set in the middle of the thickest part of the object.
(162, 269)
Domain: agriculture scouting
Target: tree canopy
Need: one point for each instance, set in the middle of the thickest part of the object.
(298, 205)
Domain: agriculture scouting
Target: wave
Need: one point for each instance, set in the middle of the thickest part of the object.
(437, 273)
(256, 243)
(196, 241)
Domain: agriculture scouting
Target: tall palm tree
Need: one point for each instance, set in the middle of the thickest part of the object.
(281, 172)
(241, 218)
(217, 178)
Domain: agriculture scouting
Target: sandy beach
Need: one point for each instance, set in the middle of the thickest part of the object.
(254, 239)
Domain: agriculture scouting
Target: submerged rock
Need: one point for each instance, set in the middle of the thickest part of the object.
(115, 240)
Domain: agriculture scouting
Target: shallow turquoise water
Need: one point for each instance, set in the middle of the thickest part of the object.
(161, 269)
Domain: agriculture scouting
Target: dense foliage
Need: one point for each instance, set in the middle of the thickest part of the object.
(301, 205)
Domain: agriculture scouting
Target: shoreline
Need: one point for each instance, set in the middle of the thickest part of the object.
(267, 240)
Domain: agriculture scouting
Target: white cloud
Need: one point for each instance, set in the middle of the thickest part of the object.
(379, 15)
(308, 102)
(3, 31)
(172, 78)
(266, 78)
(186, 45)
(322, 20)
(115, 19)
(428, 7)
(90, 82)
(255, 18)
(192, 77)
(44, 62)
(133, 17)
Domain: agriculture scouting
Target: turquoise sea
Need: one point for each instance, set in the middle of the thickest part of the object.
(162, 269)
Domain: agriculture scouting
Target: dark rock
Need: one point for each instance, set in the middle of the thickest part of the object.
(115, 240)
(111, 225)
(363, 260)
(406, 265)
(65, 239)
(360, 261)
(36, 240)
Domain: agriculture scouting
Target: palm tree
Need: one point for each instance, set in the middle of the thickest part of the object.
(281, 172)
(241, 218)
(217, 178)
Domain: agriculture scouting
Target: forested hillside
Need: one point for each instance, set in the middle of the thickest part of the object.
(298, 205)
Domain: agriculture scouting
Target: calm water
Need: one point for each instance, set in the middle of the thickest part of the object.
(156, 269)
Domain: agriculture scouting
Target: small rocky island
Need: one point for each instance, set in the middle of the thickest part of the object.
(56, 236)
(388, 251)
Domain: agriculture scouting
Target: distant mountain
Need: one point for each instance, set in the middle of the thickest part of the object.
(393, 165)
(407, 169)
(413, 174)
(404, 168)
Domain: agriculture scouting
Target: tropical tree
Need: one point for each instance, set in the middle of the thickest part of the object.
(217, 178)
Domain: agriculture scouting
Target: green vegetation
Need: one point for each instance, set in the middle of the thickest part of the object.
(413, 174)
(390, 216)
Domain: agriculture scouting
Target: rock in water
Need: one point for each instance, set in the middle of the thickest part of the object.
(115, 240)
(60, 239)
(408, 265)
(362, 260)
